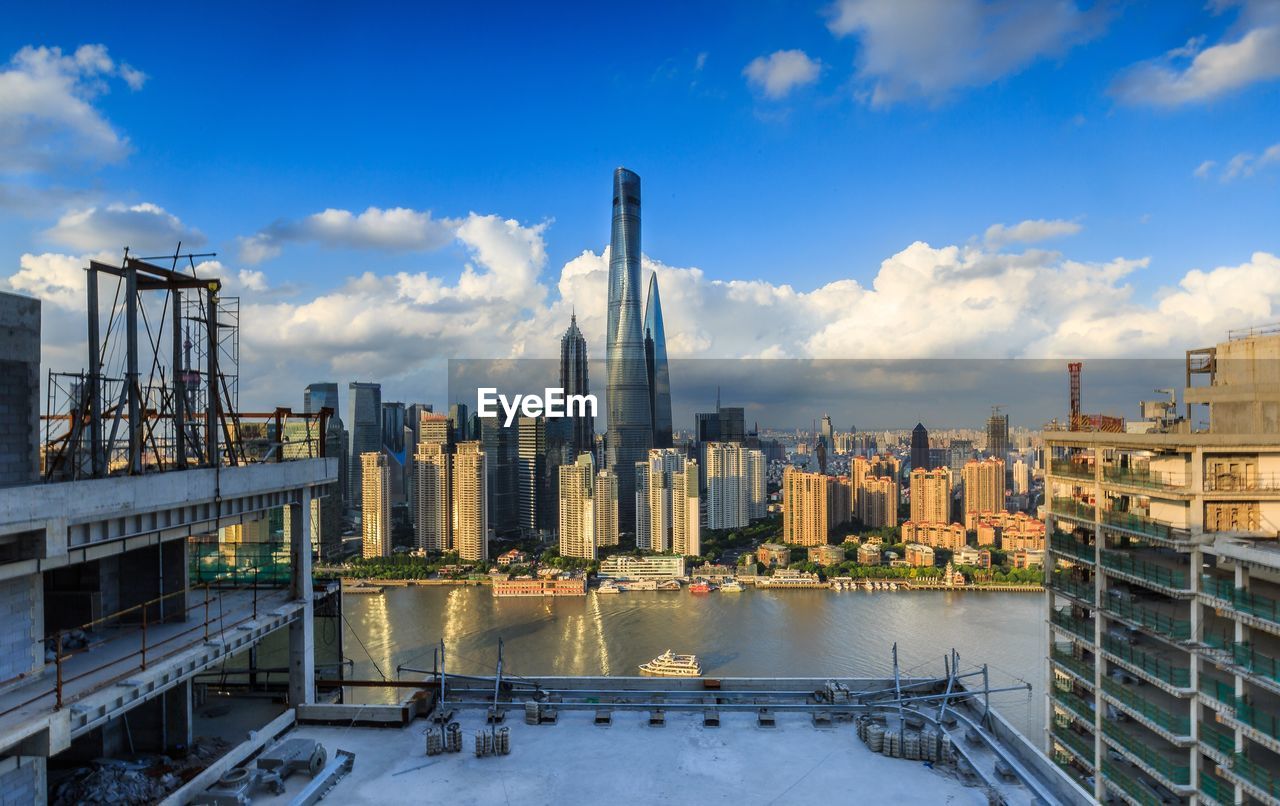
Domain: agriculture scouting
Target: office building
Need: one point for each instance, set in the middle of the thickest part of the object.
(1164, 592)
(983, 489)
(320, 396)
(666, 501)
(501, 449)
(533, 487)
(364, 426)
(470, 513)
(826, 434)
(658, 372)
(394, 417)
(931, 495)
(920, 447)
(460, 422)
(375, 508)
(627, 566)
(574, 380)
(433, 497)
(630, 433)
(736, 490)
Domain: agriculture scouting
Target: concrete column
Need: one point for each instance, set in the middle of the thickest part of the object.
(302, 639)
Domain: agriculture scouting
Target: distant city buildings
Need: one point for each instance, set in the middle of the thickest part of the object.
(920, 447)
(364, 421)
(588, 509)
(375, 517)
(657, 371)
(878, 502)
(433, 496)
(574, 381)
(998, 435)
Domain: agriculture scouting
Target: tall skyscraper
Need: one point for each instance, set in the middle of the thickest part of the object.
(501, 450)
(659, 376)
(606, 509)
(393, 422)
(460, 422)
(433, 499)
(931, 495)
(470, 516)
(735, 485)
(877, 502)
(920, 447)
(531, 474)
(666, 501)
(375, 514)
(983, 489)
(588, 503)
(315, 397)
(812, 504)
(998, 434)
(630, 432)
(320, 395)
(364, 421)
(1021, 477)
(574, 381)
(827, 433)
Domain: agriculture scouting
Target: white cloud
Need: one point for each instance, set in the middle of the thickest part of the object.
(1191, 75)
(393, 229)
(47, 118)
(1241, 166)
(777, 74)
(145, 228)
(928, 48)
(1030, 231)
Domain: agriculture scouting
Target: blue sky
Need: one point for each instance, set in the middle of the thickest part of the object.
(863, 128)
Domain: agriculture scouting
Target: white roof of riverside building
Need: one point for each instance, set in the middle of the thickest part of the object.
(630, 762)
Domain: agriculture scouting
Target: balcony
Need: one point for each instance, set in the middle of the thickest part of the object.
(1078, 743)
(1150, 479)
(1257, 775)
(1143, 525)
(1167, 768)
(1062, 583)
(1219, 692)
(1175, 629)
(1081, 628)
(1147, 707)
(1149, 663)
(1259, 717)
(1068, 661)
(1241, 600)
(1217, 738)
(1061, 543)
(1072, 508)
(1078, 705)
(1116, 775)
(1069, 469)
(1220, 791)
(1247, 483)
(1246, 656)
(1155, 573)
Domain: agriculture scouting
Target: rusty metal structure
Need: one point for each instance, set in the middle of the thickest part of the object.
(162, 385)
(1088, 422)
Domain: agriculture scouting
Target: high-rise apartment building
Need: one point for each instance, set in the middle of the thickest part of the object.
(931, 495)
(433, 498)
(812, 505)
(588, 509)
(627, 389)
(1021, 477)
(920, 447)
(877, 502)
(364, 424)
(1164, 591)
(983, 489)
(735, 485)
(470, 494)
(375, 509)
(574, 380)
(666, 501)
(659, 375)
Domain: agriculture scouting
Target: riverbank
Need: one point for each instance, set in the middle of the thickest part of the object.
(901, 585)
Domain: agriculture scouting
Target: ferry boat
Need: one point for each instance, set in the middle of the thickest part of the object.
(608, 586)
(639, 585)
(731, 586)
(669, 664)
(668, 585)
(701, 586)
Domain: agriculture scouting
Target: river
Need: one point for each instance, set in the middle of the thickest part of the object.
(786, 633)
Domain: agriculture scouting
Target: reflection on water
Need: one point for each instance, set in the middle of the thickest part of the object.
(800, 633)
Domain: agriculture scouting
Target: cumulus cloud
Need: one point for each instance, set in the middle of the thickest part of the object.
(393, 229)
(777, 74)
(929, 48)
(1192, 73)
(145, 227)
(47, 116)
(1030, 231)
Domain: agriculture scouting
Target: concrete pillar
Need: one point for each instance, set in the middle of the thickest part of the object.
(302, 639)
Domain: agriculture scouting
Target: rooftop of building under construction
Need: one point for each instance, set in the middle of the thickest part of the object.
(644, 740)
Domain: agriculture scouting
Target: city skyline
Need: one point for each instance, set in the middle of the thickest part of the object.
(1162, 185)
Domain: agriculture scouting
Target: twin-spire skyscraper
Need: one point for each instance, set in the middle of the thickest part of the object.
(638, 384)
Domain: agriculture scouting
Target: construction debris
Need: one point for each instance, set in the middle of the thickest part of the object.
(145, 780)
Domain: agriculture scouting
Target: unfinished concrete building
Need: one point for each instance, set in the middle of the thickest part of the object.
(1164, 588)
(110, 504)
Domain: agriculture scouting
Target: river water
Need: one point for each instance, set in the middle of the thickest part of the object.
(779, 633)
